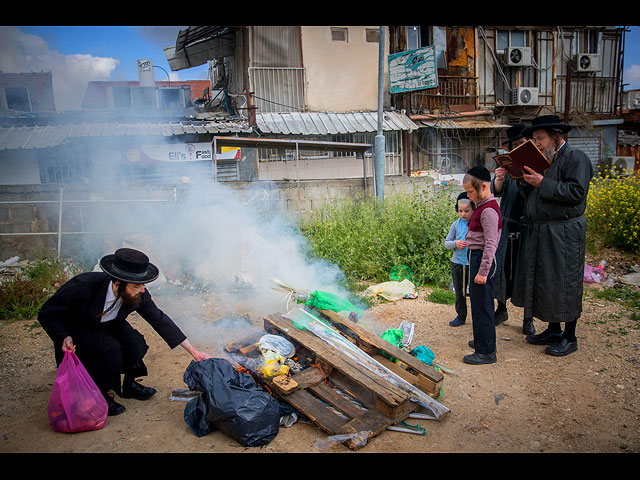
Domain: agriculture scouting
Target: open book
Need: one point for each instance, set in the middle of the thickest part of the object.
(525, 154)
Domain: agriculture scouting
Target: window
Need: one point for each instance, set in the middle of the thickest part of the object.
(121, 97)
(413, 38)
(339, 34)
(587, 41)
(510, 38)
(18, 98)
(372, 35)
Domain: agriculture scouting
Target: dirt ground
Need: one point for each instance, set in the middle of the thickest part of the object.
(528, 402)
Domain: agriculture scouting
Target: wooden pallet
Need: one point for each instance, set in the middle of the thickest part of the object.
(338, 394)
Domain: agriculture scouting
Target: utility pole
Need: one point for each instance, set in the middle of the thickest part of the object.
(379, 144)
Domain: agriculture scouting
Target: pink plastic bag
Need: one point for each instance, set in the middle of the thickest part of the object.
(592, 274)
(76, 403)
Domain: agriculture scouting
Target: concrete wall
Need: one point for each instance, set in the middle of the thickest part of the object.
(334, 70)
(82, 205)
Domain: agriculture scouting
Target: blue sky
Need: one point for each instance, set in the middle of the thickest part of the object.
(76, 54)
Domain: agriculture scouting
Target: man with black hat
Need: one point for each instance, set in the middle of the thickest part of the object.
(88, 314)
(511, 206)
(554, 249)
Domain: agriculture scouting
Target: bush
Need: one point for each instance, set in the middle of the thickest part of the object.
(367, 238)
(22, 297)
(612, 212)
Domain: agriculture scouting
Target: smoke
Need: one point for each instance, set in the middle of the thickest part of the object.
(217, 251)
(22, 52)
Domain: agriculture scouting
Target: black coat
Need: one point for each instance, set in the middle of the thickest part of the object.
(552, 254)
(105, 349)
(511, 208)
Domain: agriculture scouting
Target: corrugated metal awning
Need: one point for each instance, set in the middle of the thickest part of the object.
(20, 138)
(327, 123)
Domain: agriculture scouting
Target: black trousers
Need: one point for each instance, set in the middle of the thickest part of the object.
(482, 307)
(109, 350)
(458, 273)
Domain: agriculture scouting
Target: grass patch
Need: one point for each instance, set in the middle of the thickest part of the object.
(446, 297)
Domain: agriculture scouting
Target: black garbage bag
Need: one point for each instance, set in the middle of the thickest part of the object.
(231, 402)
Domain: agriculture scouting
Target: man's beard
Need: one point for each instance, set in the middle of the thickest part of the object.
(133, 301)
(550, 152)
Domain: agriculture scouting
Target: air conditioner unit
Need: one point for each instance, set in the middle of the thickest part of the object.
(588, 62)
(518, 57)
(525, 96)
(621, 166)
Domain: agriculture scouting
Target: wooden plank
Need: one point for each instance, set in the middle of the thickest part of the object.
(379, 343)
(394, 397)
(314, 409)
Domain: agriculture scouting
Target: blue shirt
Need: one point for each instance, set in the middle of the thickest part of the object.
(458, 231)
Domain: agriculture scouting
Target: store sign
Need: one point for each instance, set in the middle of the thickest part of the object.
(174, 152)
(413, 70)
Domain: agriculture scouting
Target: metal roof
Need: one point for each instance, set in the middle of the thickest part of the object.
(327, 123)
(17, 138)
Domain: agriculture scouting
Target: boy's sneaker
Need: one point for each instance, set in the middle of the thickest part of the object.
(456, 322)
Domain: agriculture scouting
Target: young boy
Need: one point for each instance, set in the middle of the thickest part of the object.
(459, 263)
(485, 226)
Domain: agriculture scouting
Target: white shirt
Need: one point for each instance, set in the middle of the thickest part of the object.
(107, 303)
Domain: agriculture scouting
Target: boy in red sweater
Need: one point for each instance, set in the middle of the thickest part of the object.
(485, 226)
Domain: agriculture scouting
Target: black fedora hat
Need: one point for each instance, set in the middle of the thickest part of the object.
(129, 265)
(546, 121)
(514, 133)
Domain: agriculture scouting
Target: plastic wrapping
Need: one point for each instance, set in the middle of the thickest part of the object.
(305, 320)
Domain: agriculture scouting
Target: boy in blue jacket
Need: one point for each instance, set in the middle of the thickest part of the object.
(459, 263)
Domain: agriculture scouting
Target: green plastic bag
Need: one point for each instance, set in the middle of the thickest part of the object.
(400, 272)
(330, 301)
(424, 354)
(394, 337)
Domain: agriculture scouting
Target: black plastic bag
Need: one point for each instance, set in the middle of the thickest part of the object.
(231, 402)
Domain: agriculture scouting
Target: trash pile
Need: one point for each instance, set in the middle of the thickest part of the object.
(317, 364)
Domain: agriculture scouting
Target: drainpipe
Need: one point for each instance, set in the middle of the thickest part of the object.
(379, 145)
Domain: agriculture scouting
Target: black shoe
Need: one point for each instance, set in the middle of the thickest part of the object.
(138, 391)
(480, 358)
(501, 316)
(527, 326)
(115, 408)
(562, 348)
(544, 338)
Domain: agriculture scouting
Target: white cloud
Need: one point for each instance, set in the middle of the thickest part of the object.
(23, 52)
(632, 77)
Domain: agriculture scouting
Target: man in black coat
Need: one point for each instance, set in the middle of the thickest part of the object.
(554, 247)
(511, 205)
(87, 315)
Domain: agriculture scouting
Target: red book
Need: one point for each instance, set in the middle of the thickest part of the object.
(525, 154)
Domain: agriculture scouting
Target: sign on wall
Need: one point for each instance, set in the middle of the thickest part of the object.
(413, 70)
(171, 152)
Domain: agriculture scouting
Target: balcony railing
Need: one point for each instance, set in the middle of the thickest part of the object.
(451, 90)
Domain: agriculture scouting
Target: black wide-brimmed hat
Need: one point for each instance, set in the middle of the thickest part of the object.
(514, 133)
(546, 121)
(129, 265)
